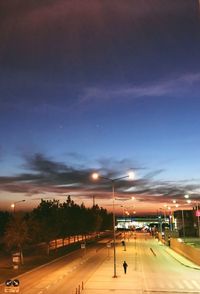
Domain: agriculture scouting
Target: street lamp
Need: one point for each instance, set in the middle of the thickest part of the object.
(14, 204)
(96, 176)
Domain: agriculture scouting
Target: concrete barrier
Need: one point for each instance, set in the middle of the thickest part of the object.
(185, 250)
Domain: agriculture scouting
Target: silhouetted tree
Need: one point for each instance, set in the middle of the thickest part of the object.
(4, 219)
(46, 217)
(16, 234)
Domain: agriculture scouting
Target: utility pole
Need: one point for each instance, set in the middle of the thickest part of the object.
(93, 197)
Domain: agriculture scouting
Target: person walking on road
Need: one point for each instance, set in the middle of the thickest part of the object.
(125, 266)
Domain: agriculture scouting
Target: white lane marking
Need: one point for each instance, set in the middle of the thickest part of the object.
(179, 285)
(197, 285)
(188, 285)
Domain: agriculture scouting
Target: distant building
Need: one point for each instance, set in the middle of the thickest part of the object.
(185, 221)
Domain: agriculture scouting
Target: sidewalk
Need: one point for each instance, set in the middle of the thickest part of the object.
(102, 282)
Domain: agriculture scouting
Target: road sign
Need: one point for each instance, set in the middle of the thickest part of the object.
(197, 212)
(11, 286)
(16, 257)
(11, 289)
(15, 283)
(108, 245)
(83, 246)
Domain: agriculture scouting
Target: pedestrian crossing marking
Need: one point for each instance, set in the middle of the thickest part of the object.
(188, 284)
(179, 285)
(197, 285)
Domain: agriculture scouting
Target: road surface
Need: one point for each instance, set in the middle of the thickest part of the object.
(151, 269)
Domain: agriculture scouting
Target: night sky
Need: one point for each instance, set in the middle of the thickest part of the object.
(103, 86)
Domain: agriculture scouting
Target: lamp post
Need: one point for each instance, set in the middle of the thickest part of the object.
(96, 176)
(14, 204)
(170, 217)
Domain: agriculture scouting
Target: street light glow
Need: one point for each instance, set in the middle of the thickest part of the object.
(186, 196)
(95, 176)
(131, 175)
(14, 204)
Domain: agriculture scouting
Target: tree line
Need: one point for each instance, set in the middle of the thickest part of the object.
(52, 220)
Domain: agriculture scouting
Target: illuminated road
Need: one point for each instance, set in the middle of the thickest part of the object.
(64, 275)
(151, 269)
(161, 273)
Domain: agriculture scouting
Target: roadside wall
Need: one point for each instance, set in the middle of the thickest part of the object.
(187, 251)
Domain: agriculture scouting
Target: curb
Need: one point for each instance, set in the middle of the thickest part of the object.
(186, 265)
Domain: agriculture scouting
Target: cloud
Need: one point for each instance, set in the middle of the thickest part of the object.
(161, 88)
(111, 165)
(39, 163)
(91, 96)
(190, 78)
(46, 175)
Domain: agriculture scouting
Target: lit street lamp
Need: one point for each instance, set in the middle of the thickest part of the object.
(14, 204)
(96, 176)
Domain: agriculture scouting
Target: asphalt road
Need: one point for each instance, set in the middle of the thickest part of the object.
(150, 270)
(63, 275)
(161, 273)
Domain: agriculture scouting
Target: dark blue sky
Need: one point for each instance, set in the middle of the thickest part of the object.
(108, 85)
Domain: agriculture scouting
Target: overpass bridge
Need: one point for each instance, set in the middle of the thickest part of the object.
(141, 222)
